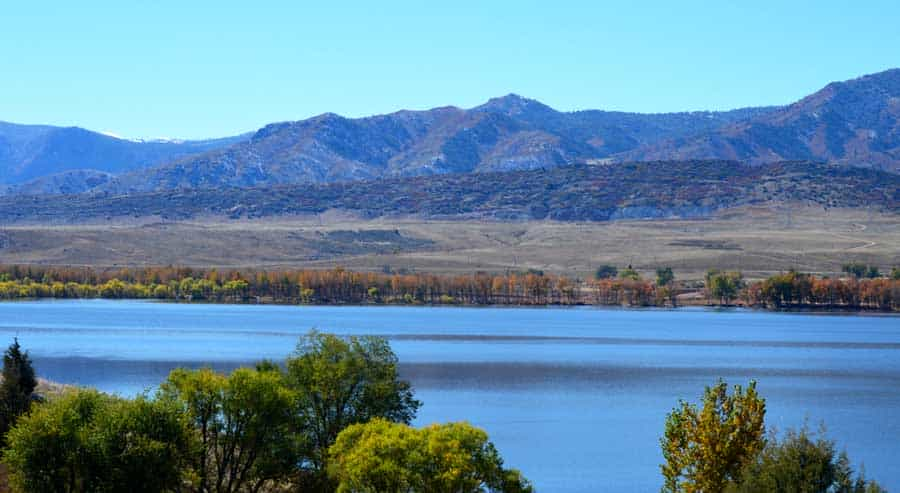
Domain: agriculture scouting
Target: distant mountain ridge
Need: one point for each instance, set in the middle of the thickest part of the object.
(504, 134)
(856, 122)
(67, 182)
(30, 152)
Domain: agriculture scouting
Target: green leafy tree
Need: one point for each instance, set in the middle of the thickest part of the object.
(17, 387)
(630, 273)
(85, 441)
(664, 276)
(385, 457)
(855, 269)
(344, 381)
(705, 448)
(724, 286)
(845, 481)
(243, 426)
(43, 448)
(895, 273)
(801, 462)
(142, 444)
(606, 272)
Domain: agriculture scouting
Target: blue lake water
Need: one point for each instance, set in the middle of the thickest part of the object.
(575, 398)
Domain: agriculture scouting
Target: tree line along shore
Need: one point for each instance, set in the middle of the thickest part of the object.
(861, 287)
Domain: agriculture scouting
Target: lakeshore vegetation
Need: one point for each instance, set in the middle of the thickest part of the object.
(862, 288)
(721, 446)
(335, 417)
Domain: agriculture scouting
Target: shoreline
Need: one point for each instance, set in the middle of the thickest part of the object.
(802, 309)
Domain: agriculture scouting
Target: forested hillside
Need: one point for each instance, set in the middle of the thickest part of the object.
(571, 193)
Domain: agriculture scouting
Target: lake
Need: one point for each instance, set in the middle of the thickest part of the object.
(574, 397)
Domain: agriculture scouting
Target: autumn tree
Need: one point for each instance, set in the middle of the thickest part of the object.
(705, 448)
(236, 289)
(381, 456)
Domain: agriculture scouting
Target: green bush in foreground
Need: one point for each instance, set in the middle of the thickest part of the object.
(384, 457)
(801, 462)
(260, 429)
(85, 441)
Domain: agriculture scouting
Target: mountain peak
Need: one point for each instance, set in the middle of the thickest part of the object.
(510, 98)
(327, 117)
(889, 75)
(514, 104)
(886, 83)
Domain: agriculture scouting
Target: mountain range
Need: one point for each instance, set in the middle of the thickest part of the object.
(855, 122)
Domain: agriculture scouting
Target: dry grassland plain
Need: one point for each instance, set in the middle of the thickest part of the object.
(757, 241)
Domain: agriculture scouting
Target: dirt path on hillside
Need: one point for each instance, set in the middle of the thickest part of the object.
(866, 243)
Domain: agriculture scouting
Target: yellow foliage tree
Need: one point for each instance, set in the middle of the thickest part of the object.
(705, 448)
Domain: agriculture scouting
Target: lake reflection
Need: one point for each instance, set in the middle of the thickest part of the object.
(576, 398)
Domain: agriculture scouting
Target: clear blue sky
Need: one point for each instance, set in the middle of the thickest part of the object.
(200, 69)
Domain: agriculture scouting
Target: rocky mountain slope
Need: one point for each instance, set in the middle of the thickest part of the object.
(508, 133)
(855, 122)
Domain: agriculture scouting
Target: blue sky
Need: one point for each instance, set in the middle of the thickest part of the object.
(196, 69)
